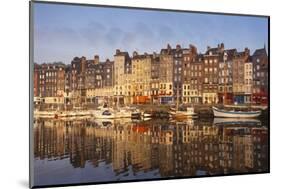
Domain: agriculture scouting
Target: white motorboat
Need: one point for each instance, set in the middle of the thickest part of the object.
(238, 114)
(146, 115)
(189, 113)
(104, 114)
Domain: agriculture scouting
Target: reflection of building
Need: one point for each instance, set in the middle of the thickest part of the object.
(173, 149)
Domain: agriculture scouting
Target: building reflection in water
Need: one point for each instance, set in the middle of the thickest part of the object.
(169, 148)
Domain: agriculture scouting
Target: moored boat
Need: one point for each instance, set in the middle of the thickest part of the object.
(104, 114)
(147, 114)
(260, 107)
(189, 113)
(235, 114)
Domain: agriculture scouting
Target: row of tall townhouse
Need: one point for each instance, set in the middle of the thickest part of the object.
(49, 82)
(174, 75)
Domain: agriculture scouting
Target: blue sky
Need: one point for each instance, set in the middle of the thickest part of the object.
(62, 32)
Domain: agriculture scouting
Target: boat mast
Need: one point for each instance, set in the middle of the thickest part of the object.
(224, 78)
(177, 108)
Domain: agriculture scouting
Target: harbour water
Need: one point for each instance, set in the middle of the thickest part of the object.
(88, 150)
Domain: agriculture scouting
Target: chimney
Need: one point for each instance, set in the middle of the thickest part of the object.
(96, 59)
(168, 46)
(135, 53)
(83, 64)
(222, 46)
(247, 51)
(193, 49)
(117, 51)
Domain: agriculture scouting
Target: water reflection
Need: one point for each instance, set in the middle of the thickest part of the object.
(105, 150)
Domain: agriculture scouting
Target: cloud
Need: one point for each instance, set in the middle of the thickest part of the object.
(165, 32)
(114, 36)
(93, 33)
(129, 40)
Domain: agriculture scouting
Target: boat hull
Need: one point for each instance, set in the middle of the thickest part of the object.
(182, 114)
(235, 114)
(261, 107)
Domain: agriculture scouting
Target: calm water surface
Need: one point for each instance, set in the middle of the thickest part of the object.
(81, 151)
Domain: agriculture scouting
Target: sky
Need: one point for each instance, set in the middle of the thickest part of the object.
(62, 32)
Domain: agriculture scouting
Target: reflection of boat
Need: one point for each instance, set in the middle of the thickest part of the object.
(236, 121)
(232, 113)
(61, 114)
(44, 114)
(146, 118)
(123, 113)
(261, 107)
(104, 122)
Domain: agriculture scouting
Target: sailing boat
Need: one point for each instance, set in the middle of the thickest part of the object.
(233, 113)
(176, 113)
